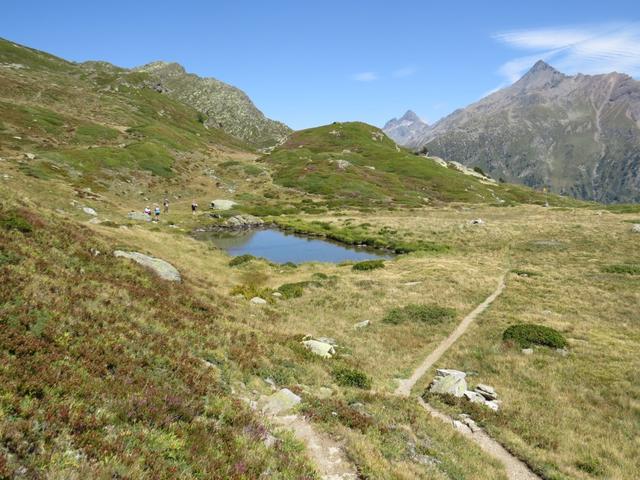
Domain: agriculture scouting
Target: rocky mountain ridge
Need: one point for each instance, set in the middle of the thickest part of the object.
(578, 135)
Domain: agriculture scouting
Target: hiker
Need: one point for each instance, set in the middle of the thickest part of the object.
(157, 212)
(147, 211)
(166, 205)
(194, 207)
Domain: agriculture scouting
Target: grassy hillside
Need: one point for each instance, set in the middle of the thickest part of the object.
(379, 173)
(79, 119)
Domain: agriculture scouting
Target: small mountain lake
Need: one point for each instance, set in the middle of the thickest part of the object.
(281, 247)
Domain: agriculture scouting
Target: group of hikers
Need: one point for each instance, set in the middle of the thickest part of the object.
(155, 214)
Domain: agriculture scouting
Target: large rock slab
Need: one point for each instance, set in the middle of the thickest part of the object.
(163, 269)
(280, 402)
(451, 384)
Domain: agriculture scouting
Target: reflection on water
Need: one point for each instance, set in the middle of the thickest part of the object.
(281, 247)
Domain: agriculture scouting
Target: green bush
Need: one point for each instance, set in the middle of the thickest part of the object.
(241, 259)
(12, 220)
(526, 335)
(350, 377)
(368, 265)
(250, 291)
(431, 314)
(624, 268)
(8, 258)
(292, 290)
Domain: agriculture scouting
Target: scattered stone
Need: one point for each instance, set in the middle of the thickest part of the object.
(469, 422)
(477, 221)
(324, 350)
(220, 204)
(486, 391)
(89, 211)
(411, 284)
(527, 351)
(635, 228)
(461, 427)
(271, 382)
(562, 352)
(493, 405)
(329, 340)
(139, 216)
(163, 269)
(276, 294)
(30, 156)
(258, 301)
(343, 164)
(269, 440)
(280, 402)
(362, 324)
(474, 397)
(95, 221)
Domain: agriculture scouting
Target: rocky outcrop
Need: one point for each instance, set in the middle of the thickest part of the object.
(453, 382)
(243, 221)
(221, 105)
(320, 348)
(163, 269)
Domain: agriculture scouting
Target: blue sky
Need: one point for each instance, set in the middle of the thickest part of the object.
(311, 63)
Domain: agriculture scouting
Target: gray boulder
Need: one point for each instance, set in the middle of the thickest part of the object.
(635, 228)
(89, 211)
(258, 301)
(474, 397)
(362, 324)
(163, 269)
(445, 372)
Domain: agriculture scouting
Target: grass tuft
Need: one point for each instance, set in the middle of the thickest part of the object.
(431, 314)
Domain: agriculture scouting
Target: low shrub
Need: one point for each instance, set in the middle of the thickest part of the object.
(431, 314)
(241, 259)
(350, 377)
(250, 291)
(8, 258)
(526, 335)
(292, 290)
(335, 410)
(368, 265)
(623, 268)
(12, 220)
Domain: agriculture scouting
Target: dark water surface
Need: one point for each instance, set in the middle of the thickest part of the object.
(281, 247)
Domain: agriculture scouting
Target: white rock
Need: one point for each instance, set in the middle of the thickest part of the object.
(325, 350)
(362, 324)
(493, 405)
(220, 204)
(258, 301)
(451, 384)
(89, 211)
(343, 164)
(163, 269)
(30, 156)
(527, 351)
(276, 294)
(477, 221)
(635, 228)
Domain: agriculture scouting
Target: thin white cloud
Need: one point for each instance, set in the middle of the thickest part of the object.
(364, 77)
(584, 49)
(404, 72)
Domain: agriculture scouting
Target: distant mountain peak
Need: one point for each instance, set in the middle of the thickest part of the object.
(411, 116)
